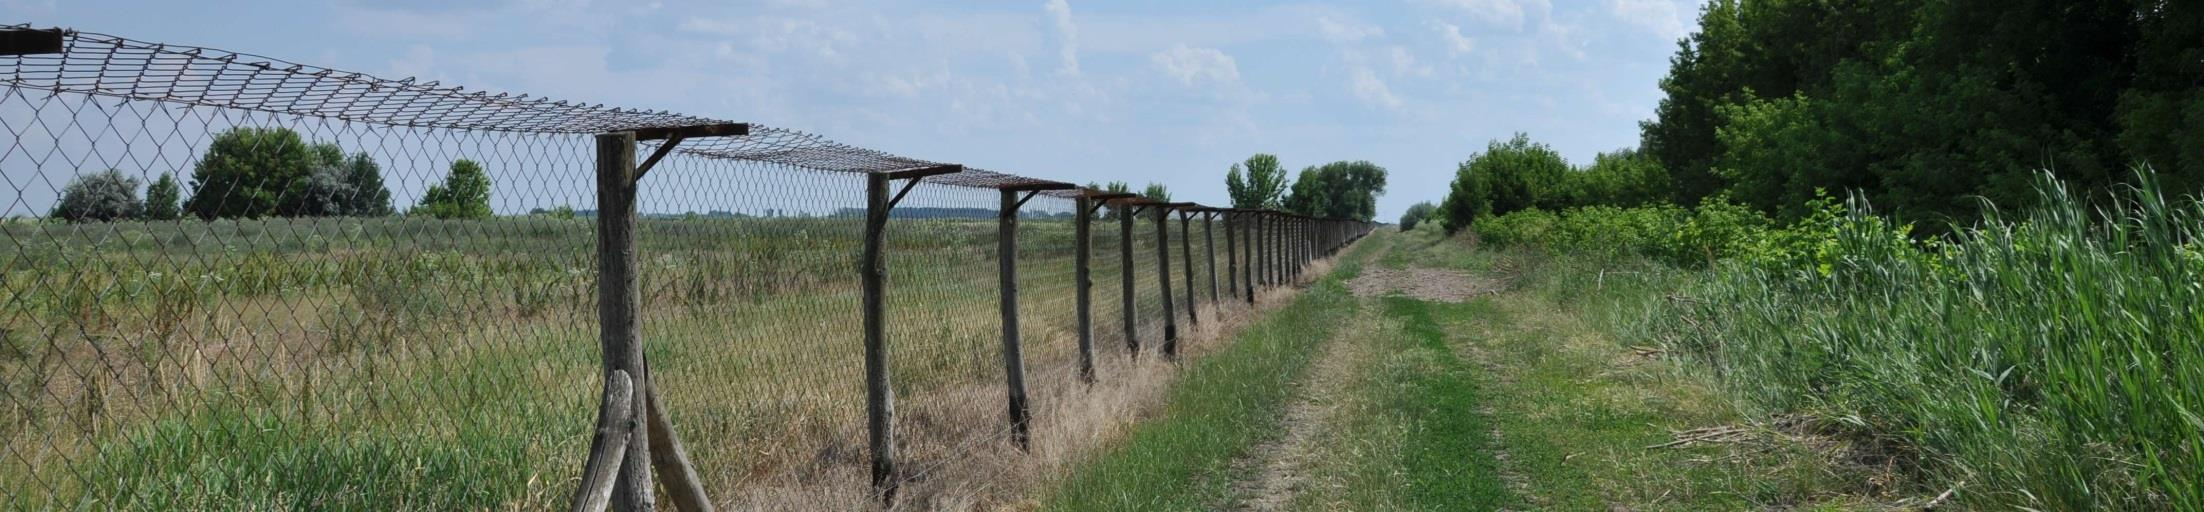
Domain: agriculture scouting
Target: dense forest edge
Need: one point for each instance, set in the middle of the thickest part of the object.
(1965, 234)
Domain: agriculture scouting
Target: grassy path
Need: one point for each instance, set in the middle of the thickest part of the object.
(1427, 376)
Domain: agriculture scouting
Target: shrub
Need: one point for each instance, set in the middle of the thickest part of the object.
(163, 199)
(1416, 215)
(101, 196)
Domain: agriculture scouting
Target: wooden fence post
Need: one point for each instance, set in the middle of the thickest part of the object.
(1083, 238)
(1250, 224)
(1186, 255)
(879, 397)
(873, 273)
(1163, 277)
(1125, 270)
(1006, 247)
(620, 332)
(1231, 252)
(1209, 250)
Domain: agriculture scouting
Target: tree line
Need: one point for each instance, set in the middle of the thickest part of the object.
(1339, 190)
(1924, 109)
(250, 172)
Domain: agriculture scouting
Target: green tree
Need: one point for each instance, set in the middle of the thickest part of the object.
(369, 198)
(245, 172)
(1156, 192)
(101, 196)
(1262, 186)
(1114, 187)
(1625, 178)
(1417, 214)
(163, 199)
(465, 194)
(1343, 190)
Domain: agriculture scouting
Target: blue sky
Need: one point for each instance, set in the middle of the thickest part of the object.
(1139, 91)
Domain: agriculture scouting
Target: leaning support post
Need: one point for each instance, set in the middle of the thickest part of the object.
(1186, 256)
(1082, 239)
(671, 460)
(1163, 277)
(619, 307)
(879, 398)
(1209, 250)
(1006, 248)
(615, 424)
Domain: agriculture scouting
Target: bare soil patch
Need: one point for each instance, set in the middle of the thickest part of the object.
(1430, 284)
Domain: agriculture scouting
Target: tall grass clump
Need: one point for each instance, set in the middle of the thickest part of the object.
(2052, 361)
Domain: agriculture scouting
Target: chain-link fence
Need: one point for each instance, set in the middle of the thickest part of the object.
(234, 282)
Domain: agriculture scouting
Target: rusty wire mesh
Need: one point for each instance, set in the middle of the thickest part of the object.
(381, 294)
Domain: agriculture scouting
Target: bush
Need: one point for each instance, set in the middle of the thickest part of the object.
(101, 196)
(1416, 215)
(465, 194)
(163, 199)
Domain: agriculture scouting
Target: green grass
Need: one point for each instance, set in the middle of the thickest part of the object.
(1573, 406)
(1447, 457)
(2053, 361)
(434, 365)
(1221, 405)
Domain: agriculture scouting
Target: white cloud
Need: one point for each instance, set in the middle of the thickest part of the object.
(1193, 66)
(1372, 90)
(1405, 63)
(1456, 43)
(1662, 17)
(1508, 13)
(1068, 50)
(1346, 32)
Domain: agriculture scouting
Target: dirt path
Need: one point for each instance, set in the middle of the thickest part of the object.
(1436, 285)
(1278, 467)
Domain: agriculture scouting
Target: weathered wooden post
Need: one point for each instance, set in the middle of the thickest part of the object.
(1231, 251)
(1083, 238)
(1163, 278)
(1186, 256)
(1125, 212)
(1006, 258)
(1209, 249)
(879, 397)
(1251, 224)
(1006, 247)
(619, 333)
(1279, 236)
(644, 428)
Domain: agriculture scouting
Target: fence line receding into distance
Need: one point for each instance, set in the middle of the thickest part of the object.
(235, 282)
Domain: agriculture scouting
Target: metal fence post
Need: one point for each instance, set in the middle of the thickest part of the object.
(1006, 248)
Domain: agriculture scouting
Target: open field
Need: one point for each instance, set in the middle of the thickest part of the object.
(425, 364)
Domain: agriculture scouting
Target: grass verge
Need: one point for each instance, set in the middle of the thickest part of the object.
(1223, 404)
